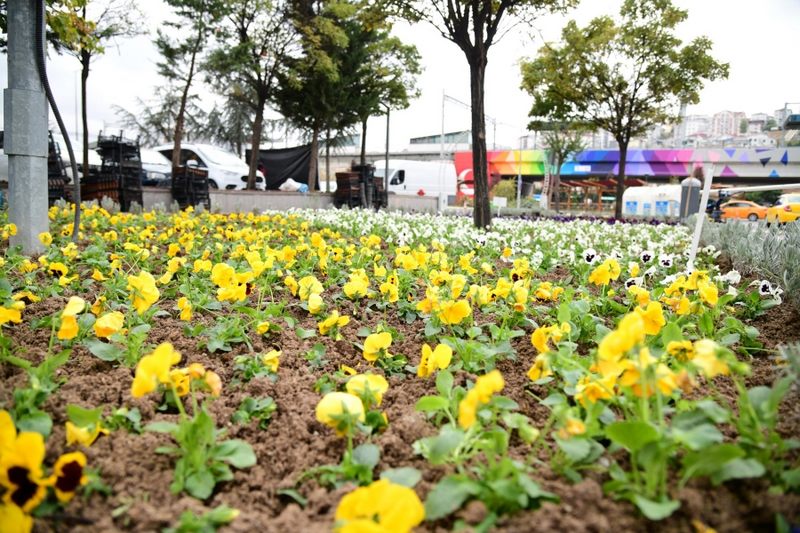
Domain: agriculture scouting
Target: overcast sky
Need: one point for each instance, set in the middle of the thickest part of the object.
(758, 39)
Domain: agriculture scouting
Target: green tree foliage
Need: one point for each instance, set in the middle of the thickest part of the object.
(561, 140)
(95, 24)
(154, 120)
(474, 26)
(312, 92)
(181, 45)
(62, 23)
(743, 125)
(622, 76)
(378, 68)
(253, 42)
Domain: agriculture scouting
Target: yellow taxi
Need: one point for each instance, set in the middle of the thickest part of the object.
(786, 209)
(743, 209)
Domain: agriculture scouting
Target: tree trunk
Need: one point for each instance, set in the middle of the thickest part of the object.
(312, 164)
(255, 144)
(86, 58)
(328, 161)
(556, 191)
(623, 157)
(179, 120)
(482, 214)
(363, 158)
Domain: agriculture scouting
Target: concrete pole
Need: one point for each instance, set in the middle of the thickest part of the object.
(25, 111)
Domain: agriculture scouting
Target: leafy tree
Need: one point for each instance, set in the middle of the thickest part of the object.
(252, 43)
(229, 125)
(61, 23)
(743, 125)
(155, 120)
(378, 69)
(474, 26)
(181, 46)
(621, 76)
(97, 23)
(561, 141)
(311, 93)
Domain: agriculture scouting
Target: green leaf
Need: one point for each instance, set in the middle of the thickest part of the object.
(564, 314)
(36, 422)
(791, 478)
(161, 427)
(632, 436)
(709, 460)
(444, 383)
(448, 496)
(296, 496)
(554, 399)
(236, 452)
(717, 413)
(367, 455)
(84, 417)
(406, 476)
(706, 324)
(671, 333)
(103, 350)
(655, 510)
(730, 339)
(738, 469)
(600, 331)
(446, 442)
(303, 333)
(200, 484)
(698, 437)
(431, 330)
(575, 449)
(427, 404)
(363, 332)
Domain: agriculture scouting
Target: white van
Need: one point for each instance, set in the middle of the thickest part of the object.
(424, 178)
(225, 169)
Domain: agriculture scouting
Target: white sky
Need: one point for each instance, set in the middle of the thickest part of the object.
(756, 38)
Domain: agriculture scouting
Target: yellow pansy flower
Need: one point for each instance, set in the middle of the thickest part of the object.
(340, 411)
(143, 291)
(652, 317)
(376, 345)
(153, 369)
(432, 360)
(108, 324)
(380, 507)
(271, 360)
(68, 475)
(450, 312)
(369, 387)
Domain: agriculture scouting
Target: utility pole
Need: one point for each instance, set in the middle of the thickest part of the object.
(25, 125)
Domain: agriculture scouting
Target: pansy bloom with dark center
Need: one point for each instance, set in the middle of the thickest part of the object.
(21, 471)
(68, 475)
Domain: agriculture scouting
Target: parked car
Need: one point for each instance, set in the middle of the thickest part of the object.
(743, 209)
(786, 209)
(225, 170)
(156, 169)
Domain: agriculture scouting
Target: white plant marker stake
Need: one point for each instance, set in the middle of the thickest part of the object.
(708, 177)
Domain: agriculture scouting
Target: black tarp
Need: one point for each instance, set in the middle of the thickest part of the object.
(284, 163)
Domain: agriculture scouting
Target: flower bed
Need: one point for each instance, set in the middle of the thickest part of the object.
(315, 370)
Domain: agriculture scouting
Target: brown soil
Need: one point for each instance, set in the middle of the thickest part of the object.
(295, 441)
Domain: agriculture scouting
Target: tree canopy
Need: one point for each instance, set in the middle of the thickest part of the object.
(474, 26)
(621, 75)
